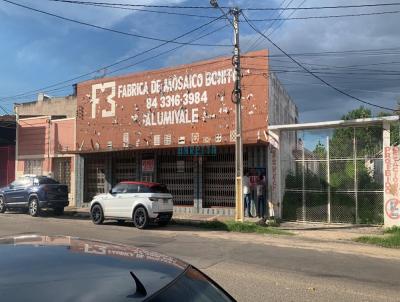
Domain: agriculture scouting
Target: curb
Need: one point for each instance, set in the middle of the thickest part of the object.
(77, 214)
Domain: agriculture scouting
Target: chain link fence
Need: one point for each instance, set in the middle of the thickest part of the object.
(334, 175)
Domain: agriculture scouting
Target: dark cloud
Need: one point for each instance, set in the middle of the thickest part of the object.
(368, 82)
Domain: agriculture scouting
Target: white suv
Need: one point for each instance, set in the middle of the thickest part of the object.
(141, 202)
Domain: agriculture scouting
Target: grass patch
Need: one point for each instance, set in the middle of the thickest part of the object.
(232, 226)
(390, 239)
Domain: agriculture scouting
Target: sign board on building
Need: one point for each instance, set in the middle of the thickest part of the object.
(148, 165)
(391, 159)
(185, 105)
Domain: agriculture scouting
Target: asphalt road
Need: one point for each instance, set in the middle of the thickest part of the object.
(249, 271)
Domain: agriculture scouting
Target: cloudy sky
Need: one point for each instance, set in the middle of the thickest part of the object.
(359, 54)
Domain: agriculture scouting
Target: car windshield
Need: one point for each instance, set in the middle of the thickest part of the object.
(22, 182)
(193, 286)
(158, 189)
(47, 181)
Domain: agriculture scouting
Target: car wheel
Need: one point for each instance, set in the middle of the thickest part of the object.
(34, 209)
(58, 211)
(96, 213)
(2, 205)
(140, 217)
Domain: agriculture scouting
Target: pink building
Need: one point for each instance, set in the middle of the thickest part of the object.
(43, 140)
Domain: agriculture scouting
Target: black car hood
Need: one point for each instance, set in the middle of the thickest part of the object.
(43, 268)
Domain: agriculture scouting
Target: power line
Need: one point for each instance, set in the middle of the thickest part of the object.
(228, 7)
(115, 63)
(328, 16)
(327, 7)
(280, 13)
(283, 20)
(109, 29)
(136, 5)
(312, 73)
(323, 53)
(168, 51)
(151, 58)
(281, 23)
(113, 6)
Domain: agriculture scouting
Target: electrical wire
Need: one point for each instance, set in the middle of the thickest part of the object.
(110, 29)
(327, 7)
(150, 58)
(372, 51)
(168, 51)
(115, 63)
(280, 13)
(113, 6)
(228, 7)
(281, 23)
(327, 17)
(312, 73)
(283, 20)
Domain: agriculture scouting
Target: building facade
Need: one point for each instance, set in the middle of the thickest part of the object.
(177, 126)
(45, 133)
(7, 149)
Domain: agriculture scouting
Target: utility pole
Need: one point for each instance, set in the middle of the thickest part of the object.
(236, 99)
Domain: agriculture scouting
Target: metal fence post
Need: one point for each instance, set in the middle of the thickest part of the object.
(328, 179)
(355, 174)
(303, 181)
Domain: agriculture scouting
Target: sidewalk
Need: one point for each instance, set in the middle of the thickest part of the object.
(314, 236)
(313, 231)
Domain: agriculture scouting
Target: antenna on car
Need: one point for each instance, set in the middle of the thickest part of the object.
(139, 286)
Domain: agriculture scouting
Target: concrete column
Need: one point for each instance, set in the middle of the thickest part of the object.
(198, 184)
(355, 175)
(108, 174)
(79, 180)
(328, 179)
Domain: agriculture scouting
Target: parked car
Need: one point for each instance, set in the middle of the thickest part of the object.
(141, 202)
(34, 193)
(46, 269)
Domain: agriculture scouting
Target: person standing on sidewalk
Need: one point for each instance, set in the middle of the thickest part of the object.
(246, 194)
(261, 196)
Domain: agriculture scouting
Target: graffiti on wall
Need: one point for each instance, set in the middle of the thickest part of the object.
(391, 183)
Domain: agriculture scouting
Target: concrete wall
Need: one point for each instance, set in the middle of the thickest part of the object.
(58, 106)
(282, 110)
(173, 107)
(62, 134)
(33, 136)
(40, 138)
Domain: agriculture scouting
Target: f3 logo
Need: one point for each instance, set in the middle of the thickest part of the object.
(110, 98)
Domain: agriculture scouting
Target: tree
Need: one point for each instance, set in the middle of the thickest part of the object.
(320, 151)
(368, 139)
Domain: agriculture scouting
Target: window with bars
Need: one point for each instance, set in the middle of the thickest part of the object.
(33, 166)
(62, 171)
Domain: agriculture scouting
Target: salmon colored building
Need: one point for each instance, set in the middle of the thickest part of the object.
(174, 125)
(43, 141)
(177, 126)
